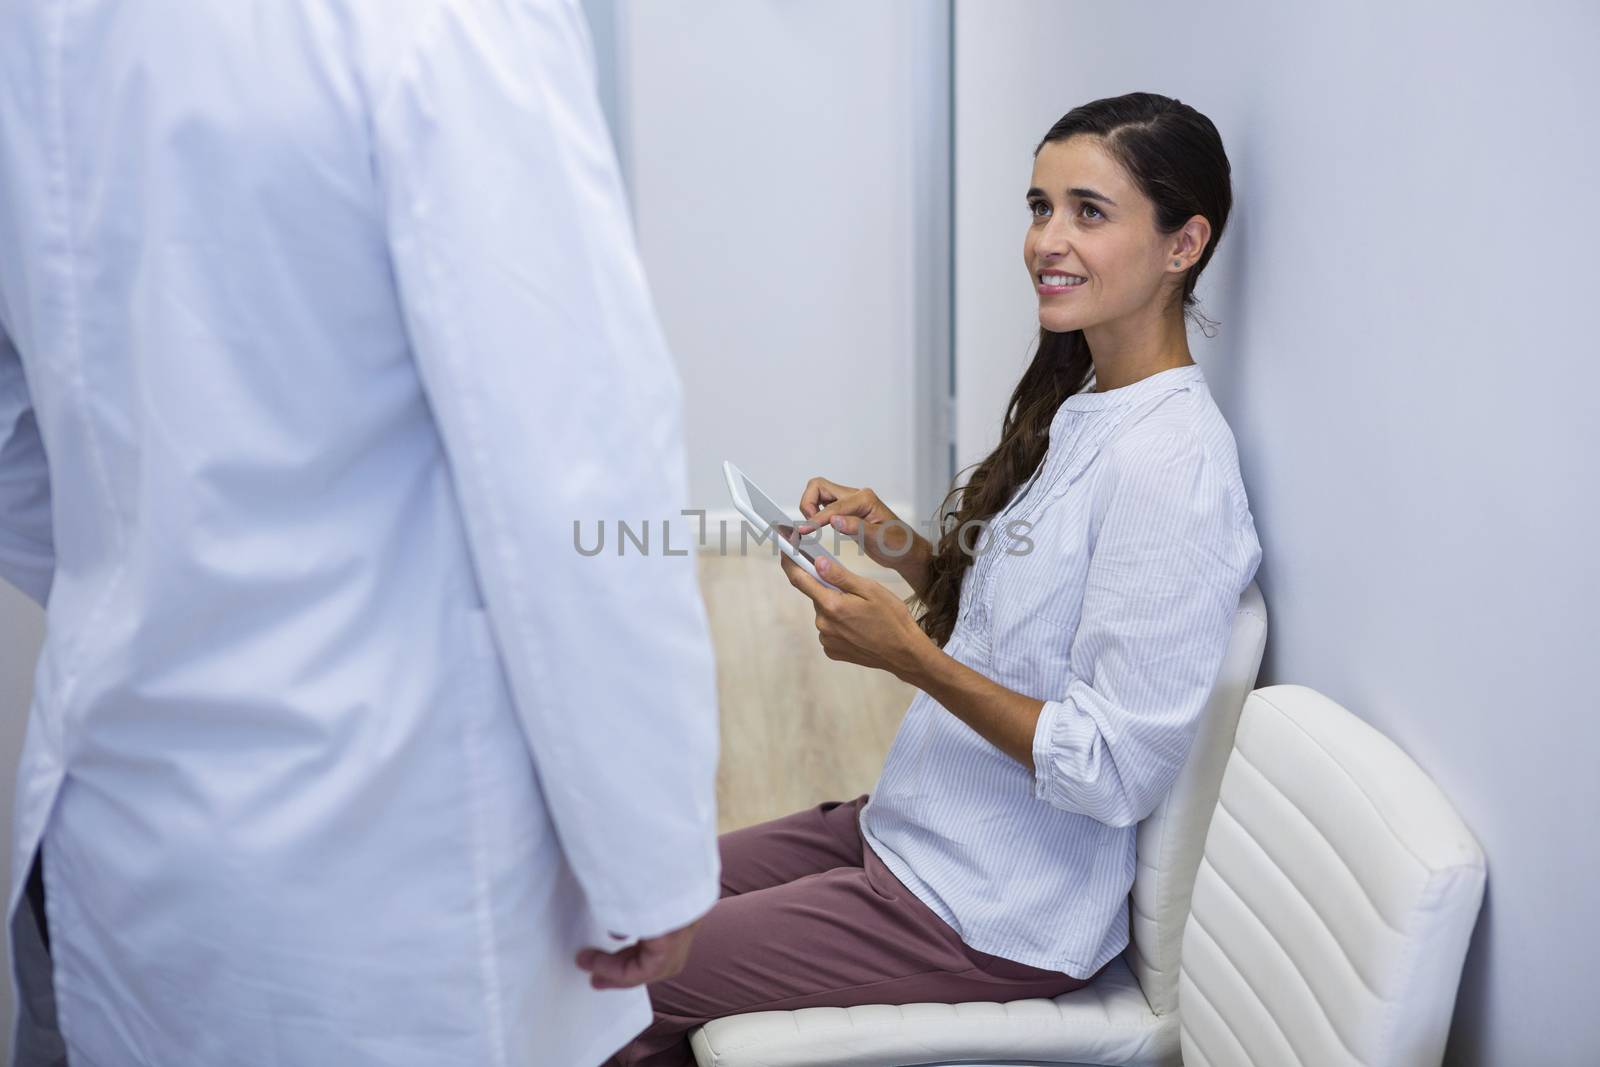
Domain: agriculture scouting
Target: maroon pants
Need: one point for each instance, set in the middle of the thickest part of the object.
(810, 917)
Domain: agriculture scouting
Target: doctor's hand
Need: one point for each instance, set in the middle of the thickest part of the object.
(649, 959)
(861, 621)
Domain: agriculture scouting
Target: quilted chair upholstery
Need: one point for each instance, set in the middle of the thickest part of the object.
(1334, 903)
(1127, 1016)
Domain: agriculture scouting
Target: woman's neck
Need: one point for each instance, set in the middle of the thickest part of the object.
(1126, 351)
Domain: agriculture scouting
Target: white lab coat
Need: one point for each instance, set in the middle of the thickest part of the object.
(328, 317)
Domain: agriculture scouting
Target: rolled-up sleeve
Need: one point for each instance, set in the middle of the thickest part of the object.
(559, 407)
(1165, 573)
(27, 545)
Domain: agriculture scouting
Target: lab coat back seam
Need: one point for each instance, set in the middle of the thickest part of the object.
(488, 959)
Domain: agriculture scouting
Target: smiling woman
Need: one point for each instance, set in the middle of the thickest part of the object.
(1060, 680)
(1128, 200)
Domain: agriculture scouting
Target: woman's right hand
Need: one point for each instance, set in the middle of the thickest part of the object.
(858, 513)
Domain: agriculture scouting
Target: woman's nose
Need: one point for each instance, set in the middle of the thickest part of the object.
(1052, 242)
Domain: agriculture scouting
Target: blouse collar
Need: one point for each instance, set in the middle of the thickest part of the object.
(1150, 385)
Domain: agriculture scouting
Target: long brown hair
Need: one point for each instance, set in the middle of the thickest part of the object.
(1175, 156)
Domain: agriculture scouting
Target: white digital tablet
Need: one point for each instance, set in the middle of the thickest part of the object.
(764, 515)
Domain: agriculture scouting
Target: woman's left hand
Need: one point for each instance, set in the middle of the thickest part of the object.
(861, 621)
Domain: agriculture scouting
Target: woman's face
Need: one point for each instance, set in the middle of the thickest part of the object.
(1092, 249)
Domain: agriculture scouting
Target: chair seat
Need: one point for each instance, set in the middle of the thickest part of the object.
(1108, 1022)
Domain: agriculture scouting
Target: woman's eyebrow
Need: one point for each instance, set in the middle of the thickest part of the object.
(1080, 193)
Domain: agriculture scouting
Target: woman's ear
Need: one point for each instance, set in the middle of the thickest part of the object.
(1190, 242)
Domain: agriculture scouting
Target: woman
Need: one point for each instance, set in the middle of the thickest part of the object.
(1073, 619)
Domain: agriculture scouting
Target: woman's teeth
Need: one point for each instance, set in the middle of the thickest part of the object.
(1061, 279)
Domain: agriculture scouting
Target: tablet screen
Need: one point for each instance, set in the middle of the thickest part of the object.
(784, 524)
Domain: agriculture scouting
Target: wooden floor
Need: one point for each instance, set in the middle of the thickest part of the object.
(797, 728)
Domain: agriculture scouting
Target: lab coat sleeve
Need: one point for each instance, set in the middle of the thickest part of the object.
(27, 547)
(1165, 573)
(561, 413)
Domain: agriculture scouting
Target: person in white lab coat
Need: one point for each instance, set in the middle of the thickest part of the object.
(321, 324)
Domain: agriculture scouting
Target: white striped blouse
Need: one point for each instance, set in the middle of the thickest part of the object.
(1114, 606)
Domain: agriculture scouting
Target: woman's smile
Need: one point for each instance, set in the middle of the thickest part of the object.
(1051, 283)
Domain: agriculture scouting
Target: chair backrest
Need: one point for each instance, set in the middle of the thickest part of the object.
(1172, 837)
(1335, 900)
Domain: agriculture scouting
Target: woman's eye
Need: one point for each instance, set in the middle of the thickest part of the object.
(1091, 207)
(1038, 208)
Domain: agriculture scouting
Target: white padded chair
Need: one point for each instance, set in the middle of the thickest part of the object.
(1334, 903)
(1126, 1016)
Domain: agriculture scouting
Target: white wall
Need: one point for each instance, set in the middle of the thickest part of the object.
(1408, 360)
(771, 155)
